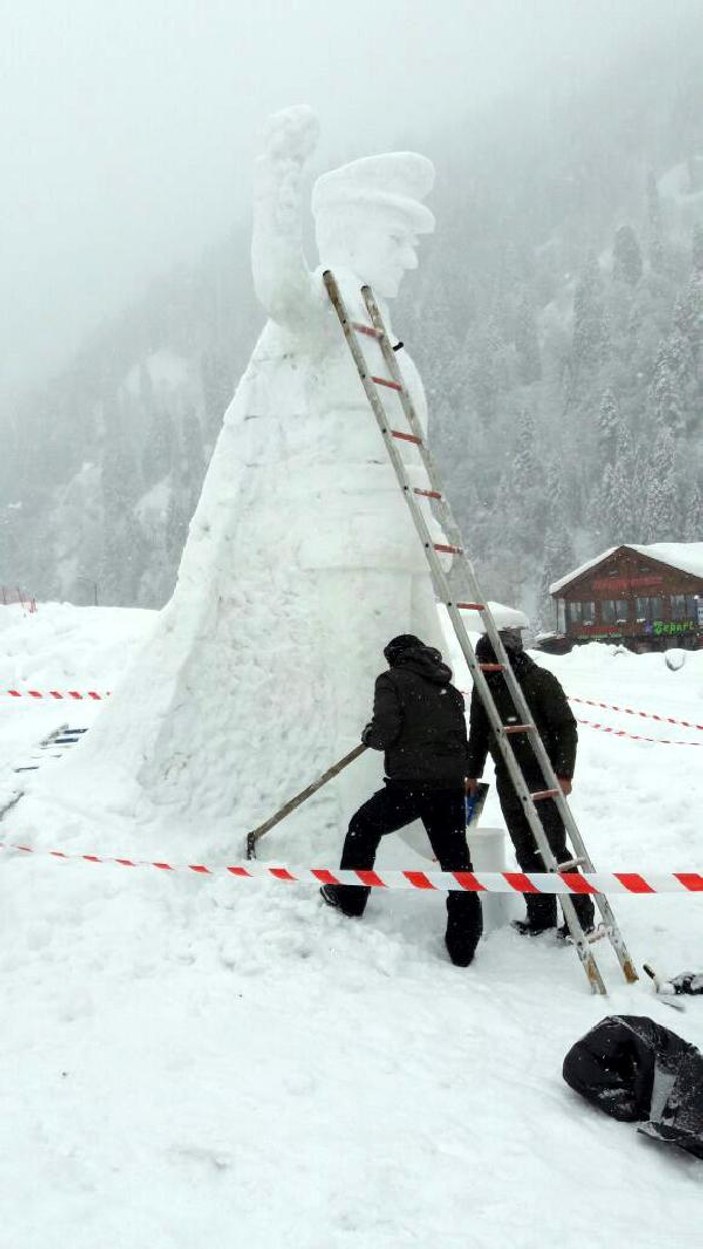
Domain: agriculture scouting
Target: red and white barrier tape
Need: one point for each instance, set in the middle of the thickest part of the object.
(643, 715)
(630, 711)
(94, 696)
(76, 695)
(441, 882)
(56, 694)
(636, 737)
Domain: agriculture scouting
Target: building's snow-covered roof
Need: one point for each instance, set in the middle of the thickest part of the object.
(687, 556)
(576, 572)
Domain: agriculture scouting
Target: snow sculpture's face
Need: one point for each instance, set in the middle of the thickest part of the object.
(375, 246)
(383, 253)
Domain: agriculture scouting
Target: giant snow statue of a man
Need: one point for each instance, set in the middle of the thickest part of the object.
(302, 559)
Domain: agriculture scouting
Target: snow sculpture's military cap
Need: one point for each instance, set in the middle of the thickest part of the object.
(396, 182)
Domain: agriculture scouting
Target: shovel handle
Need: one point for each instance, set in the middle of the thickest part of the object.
(292, 803)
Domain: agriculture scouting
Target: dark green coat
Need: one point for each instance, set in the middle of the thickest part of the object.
(551, 714)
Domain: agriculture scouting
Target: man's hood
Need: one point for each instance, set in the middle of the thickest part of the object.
(427, 662)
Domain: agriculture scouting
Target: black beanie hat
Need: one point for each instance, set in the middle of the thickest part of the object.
(511, 639)
(397, 646)
(484, 650)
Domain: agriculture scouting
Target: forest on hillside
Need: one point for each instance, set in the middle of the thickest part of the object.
(557, 319)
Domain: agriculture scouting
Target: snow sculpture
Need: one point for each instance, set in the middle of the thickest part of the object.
(302, 559)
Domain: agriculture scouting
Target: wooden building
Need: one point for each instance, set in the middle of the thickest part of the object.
(647, 597)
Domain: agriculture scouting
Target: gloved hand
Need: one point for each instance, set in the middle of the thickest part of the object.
(366, 734)
(686, 982)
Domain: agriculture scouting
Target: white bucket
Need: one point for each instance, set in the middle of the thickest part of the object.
(487, 849)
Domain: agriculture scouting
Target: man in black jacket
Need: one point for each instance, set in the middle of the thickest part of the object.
(556, 726)
(418, 721)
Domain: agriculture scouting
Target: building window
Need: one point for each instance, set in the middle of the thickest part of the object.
(692, 607)
(678, 607)
(648, 608)
(614, 611)
(581, 613)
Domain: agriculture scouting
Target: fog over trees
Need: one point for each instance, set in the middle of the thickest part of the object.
(557, 319)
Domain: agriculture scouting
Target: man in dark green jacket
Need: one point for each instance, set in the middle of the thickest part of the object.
(557, 727)
(419, 724)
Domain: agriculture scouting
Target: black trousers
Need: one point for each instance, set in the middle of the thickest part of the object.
(541, 907)
(443, 815)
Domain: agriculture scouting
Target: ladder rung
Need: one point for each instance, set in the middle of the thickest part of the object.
(570, 865)
(366, 329)
(492, 667)
(398, 433)
(471, 606)
(428, 494)
(540, 794)
(447, 550)
(518, 728)
(384, 381)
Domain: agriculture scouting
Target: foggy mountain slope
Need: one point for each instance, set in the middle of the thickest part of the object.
(557, 318)
(573, 324)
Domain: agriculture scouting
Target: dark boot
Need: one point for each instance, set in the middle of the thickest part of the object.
(530, 928)
(585, 913)
(329, 894)
(464, 927)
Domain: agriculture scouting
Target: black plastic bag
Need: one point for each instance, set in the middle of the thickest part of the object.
(636, 1070)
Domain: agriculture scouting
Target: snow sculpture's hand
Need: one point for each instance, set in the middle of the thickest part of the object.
(292, 134)
(281, 276)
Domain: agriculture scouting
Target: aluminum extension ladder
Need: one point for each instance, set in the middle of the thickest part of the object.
(463, 594)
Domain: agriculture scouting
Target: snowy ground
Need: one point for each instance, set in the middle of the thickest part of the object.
(197, 1063)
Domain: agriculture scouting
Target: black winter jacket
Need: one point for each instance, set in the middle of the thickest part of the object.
(551, 714)
(419, 721)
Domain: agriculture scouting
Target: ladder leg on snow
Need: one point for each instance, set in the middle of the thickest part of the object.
(467, 596)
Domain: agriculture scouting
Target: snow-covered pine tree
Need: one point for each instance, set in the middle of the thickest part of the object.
(623, 510)
(488, 370)
(590, 332)
(525, 494)
(609, 420)
(527, 342)
(217, 388)
(693, 519)
(157, 456)
(697, 248)
(600, 510)
(558, 555)
(123, 555)
(662, 520)
(654, 223)
(627, 256)
(666, 389)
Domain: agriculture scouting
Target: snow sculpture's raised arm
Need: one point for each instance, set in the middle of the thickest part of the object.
(282, 279)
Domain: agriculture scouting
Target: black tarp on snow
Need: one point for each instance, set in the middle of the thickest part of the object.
(636, 1070)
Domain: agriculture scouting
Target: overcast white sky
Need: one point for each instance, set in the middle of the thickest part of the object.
(127, 128)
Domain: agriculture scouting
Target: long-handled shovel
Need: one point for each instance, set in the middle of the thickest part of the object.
(289, 806)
